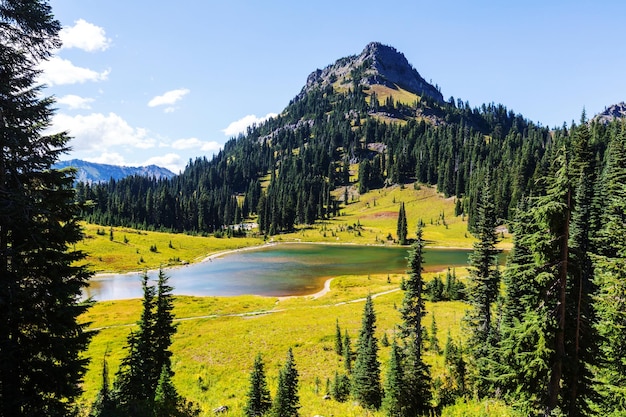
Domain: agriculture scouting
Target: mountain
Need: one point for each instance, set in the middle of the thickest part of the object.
(377, 65)
(91, 172)
(365, 122)
(615, 111)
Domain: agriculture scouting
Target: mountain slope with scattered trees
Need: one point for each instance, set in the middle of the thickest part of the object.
(345, 121)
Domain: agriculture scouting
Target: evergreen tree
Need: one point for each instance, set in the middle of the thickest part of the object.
(40, 289)
(287, 400)
(483, 290)
(104, 405)
(347, 352)
(611, 282)
(581, 335)
(166, 397)
(163, 328)
(341, 387)
(338, 340)
(484, 277)
(402, 226)
(434, 341)
(366, 389)
(417, 374)
(396, 398)
(167, 401)
(259, 401)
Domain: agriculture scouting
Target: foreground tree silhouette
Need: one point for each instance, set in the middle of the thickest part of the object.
(40, 285)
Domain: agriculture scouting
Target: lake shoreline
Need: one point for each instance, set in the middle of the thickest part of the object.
(215, 255)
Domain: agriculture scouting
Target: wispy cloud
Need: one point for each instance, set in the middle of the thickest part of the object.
(59, 71)
(84, 35)
(240, 126)
(168, 98)
(75, 102)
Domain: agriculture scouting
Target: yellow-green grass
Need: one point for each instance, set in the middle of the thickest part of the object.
(399, 95)
(217, 339)
(376, 214)
(130, 249)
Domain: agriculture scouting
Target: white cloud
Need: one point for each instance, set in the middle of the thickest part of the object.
(170, 161)
(98, 133)
(240, 126)
(168, 98)
(84, 35)
(111, 158)
(59, 71)
(75, 102)
(196, 143)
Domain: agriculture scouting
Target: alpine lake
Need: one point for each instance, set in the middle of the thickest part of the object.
(285, 269)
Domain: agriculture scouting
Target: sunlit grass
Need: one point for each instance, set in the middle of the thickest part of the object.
(130, 249)
(217, 339)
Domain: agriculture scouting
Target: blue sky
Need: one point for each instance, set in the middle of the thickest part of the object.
(141, 82)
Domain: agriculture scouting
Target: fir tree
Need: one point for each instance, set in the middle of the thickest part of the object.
(396, 398)
(41, 342)
(484, 288)
(166, 397)
(104, 405)
(163, 327)
(259, 401)
(611, 282)
(338, 340)
(366, 389)
(341, 387)
(402, 225)
(434, 341)
(347, 352)
(417, 374)
(287, 401)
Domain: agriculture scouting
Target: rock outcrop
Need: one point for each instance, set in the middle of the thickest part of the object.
(377, 64)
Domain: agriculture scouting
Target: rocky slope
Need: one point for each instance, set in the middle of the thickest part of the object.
(378, 64)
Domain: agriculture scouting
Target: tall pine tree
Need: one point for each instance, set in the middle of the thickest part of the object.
(259, 401)
(287, 401)
(402, 225)
(483, 289)
(366, 389)
(416, 374)
(40, 339)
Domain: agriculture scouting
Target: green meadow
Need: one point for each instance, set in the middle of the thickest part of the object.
(218, 337)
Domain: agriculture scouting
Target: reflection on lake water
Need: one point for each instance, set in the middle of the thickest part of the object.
(276, 270)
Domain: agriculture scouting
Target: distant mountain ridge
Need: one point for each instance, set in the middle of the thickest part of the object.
(91, 172)
(377, 64)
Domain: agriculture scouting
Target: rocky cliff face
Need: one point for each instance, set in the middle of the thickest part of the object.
(377, 64)
(616, 111)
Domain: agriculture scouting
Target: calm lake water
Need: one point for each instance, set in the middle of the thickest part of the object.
(276, 270)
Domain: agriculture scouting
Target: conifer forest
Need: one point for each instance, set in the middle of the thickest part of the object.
(545, 333)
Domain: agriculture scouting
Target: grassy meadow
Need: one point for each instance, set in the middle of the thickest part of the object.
(218, 337)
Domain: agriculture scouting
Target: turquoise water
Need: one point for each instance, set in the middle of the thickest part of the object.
(276, 270)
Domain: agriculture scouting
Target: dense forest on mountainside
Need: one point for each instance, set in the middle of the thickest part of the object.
(309, 150)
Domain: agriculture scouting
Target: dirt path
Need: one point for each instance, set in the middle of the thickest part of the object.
(265, 312)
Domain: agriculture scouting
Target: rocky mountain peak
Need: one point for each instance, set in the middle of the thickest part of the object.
(376, 64)
(616, 111)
